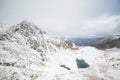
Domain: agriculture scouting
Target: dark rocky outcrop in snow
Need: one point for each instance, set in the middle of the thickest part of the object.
(64, 66)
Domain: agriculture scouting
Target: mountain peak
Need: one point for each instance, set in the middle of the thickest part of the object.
(27, 28)
(26, 22)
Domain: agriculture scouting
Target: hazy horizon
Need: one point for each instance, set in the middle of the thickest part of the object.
(65, 18)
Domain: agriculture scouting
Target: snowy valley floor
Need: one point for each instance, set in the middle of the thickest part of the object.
(104, 65)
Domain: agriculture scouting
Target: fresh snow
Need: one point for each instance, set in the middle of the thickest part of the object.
(28, 53)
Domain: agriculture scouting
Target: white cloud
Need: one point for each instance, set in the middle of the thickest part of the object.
(101, 26)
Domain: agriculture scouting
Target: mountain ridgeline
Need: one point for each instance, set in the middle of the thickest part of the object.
(26, 33)
(106, 43)
(100, 42)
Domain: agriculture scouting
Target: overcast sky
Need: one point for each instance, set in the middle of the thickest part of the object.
(65, 18)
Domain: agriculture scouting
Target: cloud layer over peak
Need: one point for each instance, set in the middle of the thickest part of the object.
(65, 18)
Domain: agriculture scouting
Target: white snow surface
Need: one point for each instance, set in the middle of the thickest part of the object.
(28, 53)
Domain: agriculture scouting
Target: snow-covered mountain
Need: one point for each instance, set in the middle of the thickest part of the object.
(28, 53)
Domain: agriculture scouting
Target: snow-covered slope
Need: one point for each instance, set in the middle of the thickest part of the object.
(28, 53)
(4, 27)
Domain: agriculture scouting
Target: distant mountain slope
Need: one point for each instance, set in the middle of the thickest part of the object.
(100, 43)
(106, 43)
(85, 41)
